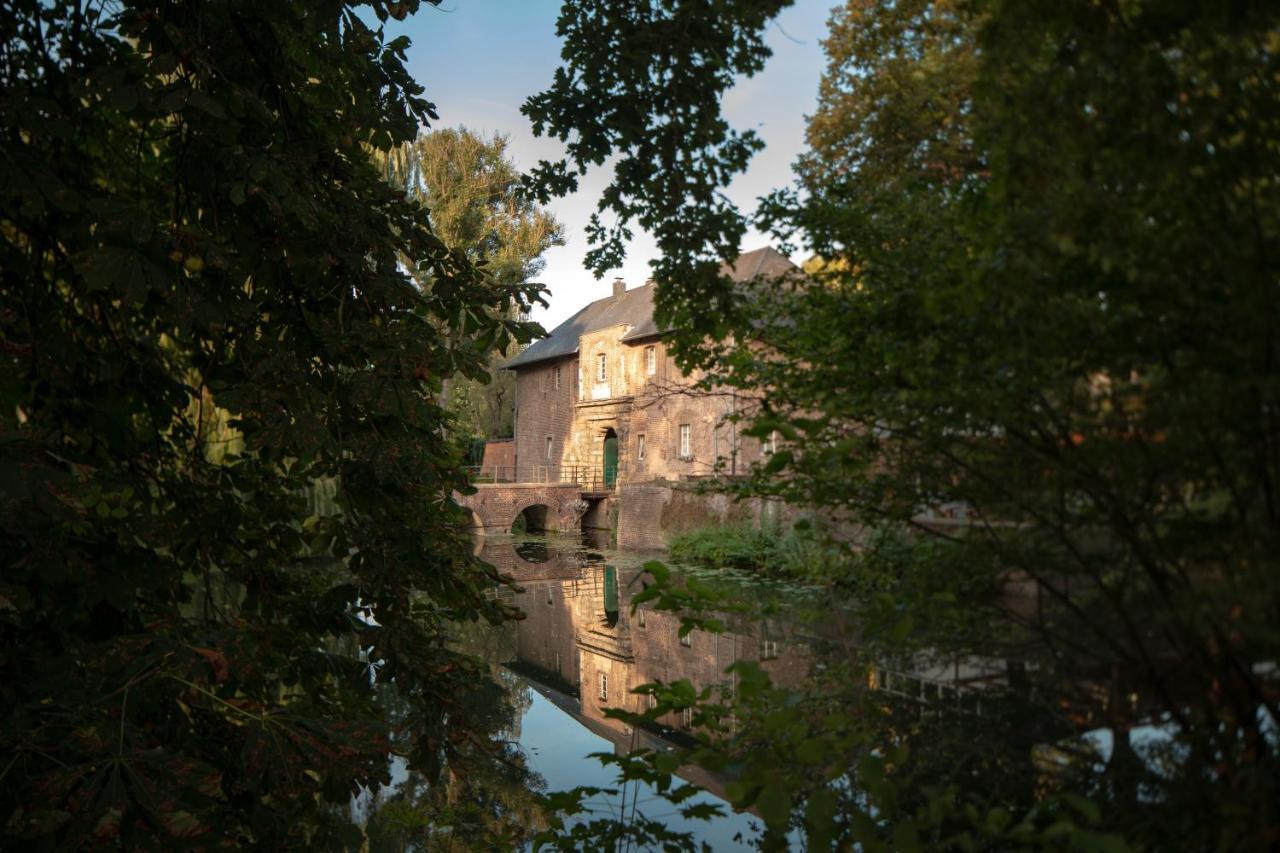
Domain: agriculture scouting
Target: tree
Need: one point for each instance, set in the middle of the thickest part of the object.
(1048, 303)
(473, 193)
(206, 316)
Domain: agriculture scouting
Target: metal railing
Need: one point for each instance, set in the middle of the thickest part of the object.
(589, 477)
(921, 689)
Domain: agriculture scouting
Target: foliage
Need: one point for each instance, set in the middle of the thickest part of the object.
(643, 80)
(205, 314)
(1045, 319)
(472, 190)
(799, 553)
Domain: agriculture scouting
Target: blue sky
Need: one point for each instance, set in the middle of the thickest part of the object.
(480, 59)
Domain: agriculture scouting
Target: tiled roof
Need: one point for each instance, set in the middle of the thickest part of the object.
(635, 309)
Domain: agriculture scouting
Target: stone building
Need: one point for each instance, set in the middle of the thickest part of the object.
(601, 400)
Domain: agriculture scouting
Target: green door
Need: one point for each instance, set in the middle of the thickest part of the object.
(610, 596)
(610, 460)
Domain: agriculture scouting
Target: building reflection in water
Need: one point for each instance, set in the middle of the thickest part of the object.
(582, 648)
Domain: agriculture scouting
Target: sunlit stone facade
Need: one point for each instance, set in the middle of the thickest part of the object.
(606, 373)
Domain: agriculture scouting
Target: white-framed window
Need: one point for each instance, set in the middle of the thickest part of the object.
(686, 441)
(687, 640)
(640, 447)
(604, 687)
(686, 718)
(548, 447)
(650, 360)
(555, 377)
(640, 617)
(602, 367)
(769, 444)
(768, 649)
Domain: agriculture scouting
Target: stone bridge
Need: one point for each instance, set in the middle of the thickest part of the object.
(545, 506)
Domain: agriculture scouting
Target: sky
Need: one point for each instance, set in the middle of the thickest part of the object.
(480, 59)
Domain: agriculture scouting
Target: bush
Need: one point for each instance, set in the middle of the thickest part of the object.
(794, 553)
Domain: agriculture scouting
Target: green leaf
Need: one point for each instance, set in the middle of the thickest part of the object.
(774, 803)
(820, 819)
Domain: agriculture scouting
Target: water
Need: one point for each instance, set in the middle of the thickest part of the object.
(580, 650)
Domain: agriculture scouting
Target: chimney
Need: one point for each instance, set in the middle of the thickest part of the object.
(619, 288)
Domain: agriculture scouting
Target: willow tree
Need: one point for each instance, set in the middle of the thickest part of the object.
(1048, 306)
(189, 222)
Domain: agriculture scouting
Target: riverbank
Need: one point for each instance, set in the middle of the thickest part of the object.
(793, 553)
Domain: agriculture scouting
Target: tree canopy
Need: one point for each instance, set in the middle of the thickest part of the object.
(473, 192)
(208, 320)
(1038, 346)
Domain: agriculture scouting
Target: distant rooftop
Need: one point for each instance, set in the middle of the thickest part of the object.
(634, 308)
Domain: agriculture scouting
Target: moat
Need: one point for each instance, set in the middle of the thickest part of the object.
(586, 638)
(580, 650)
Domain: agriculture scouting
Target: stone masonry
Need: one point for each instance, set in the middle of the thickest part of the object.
(554, 506)
(606, 371)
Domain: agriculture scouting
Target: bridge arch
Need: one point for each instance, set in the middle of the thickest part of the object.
(495, 506)
(537, 517)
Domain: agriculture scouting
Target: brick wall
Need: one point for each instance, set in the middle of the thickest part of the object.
(497, 505)
(543, 409)
(499, 456)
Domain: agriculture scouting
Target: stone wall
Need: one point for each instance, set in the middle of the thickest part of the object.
(651, 514)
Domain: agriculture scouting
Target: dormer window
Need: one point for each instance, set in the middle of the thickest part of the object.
(602, 367)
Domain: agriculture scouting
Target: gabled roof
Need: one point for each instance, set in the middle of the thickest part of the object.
(635, 309)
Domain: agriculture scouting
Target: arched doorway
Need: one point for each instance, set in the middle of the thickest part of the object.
(610, 458)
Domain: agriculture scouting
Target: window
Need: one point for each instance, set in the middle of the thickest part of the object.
(602, 367)
(604, 687)
(549, 599)
(686, 444)
(687, 640)
(559, 671)
(769, 444)
(640, 447)
(768, 650)
(548, 447)
(650, 360)
(555, 378)
(686, 718)
(640, 617)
